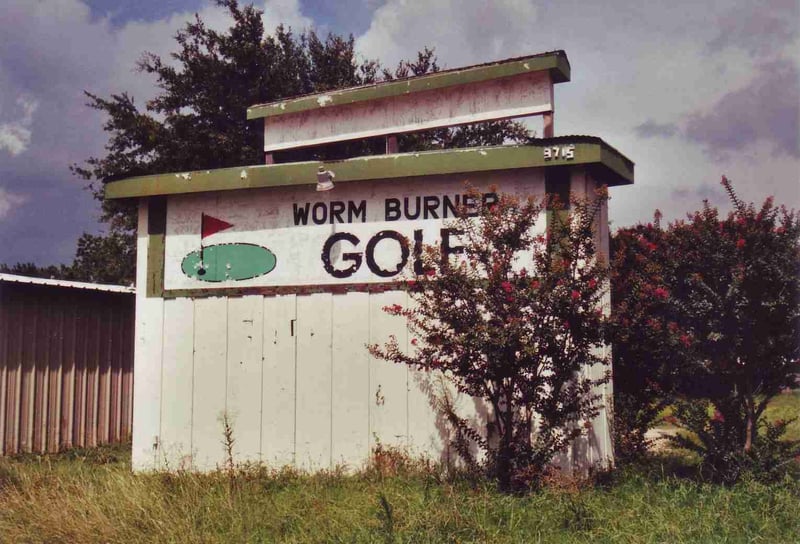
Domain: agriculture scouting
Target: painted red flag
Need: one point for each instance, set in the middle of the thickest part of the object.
(211, 225)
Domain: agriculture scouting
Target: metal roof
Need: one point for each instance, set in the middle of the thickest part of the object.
(13, 278)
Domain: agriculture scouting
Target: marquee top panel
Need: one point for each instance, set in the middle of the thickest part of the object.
(555, 62)
(609, 166)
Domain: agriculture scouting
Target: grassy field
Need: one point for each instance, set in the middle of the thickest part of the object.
(92, 496)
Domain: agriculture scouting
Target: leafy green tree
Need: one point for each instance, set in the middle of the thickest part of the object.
(198, 119)
(34, 271)
(518, 338)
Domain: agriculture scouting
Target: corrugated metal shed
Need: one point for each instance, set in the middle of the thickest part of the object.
(66, 364)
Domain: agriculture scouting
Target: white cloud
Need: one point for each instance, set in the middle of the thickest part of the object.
(634, 65)
(286, 12)
(99, 58)
(9, 201)
(462, 31)
(158, 37)
(15, 136)
(53, 50)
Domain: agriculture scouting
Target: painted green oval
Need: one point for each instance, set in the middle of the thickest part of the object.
(223, 262)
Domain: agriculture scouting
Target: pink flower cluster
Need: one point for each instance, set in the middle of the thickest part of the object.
(394, 309)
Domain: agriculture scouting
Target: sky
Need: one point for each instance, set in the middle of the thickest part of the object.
(688, 90)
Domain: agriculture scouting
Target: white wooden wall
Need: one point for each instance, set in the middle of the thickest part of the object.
(292, 373)
(294, 378)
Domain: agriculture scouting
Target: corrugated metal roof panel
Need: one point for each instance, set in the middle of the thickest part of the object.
(13, 278)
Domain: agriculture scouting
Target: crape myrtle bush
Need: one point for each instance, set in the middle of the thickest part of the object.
(721, 300)
(649, 344)
(519, 338)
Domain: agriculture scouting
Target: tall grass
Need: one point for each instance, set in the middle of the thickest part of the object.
(93, 497)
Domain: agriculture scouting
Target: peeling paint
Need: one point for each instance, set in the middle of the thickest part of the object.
(482, 152)
(616, 169)
(555, 62)
(186, 175)
(324, 100)
(243, 174)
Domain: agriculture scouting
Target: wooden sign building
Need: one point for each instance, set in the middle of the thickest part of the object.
(257, 292)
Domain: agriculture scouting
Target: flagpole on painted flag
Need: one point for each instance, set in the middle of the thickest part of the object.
(202, 229)
(209, 225)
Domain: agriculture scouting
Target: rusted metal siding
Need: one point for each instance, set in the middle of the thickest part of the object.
(66, 365)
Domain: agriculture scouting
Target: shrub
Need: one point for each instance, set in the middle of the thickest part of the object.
(515, 322)
(649, 345)
(729, 290)
(718, 444)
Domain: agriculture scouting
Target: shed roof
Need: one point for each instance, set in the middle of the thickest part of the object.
(555, 62)
(611, 167)
(14, 278)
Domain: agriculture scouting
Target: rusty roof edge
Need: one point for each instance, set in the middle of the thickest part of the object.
(14, 278)
(554, 61)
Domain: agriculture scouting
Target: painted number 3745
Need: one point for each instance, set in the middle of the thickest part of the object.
(563, 152)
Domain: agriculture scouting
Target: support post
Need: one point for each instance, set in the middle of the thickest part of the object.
(549, 130)
(391, 144)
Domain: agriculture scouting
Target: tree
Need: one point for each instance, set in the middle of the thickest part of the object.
(32, 270)
(738, 288)
(519, 338)
(730, 298)
(198, 120)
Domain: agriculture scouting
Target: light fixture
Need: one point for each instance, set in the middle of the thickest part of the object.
(324, 179)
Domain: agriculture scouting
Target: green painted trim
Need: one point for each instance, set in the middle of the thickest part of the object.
(336, 289)
(609, 166)
(556, 63)
(156, 231)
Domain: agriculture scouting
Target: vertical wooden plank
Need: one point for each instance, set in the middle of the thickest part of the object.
(176, 384)
(210, 355)
(427, 431)
(147, 358)
(314, 314)
(245, 374)
(351, 392)
(278, 391)
(388, 381)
